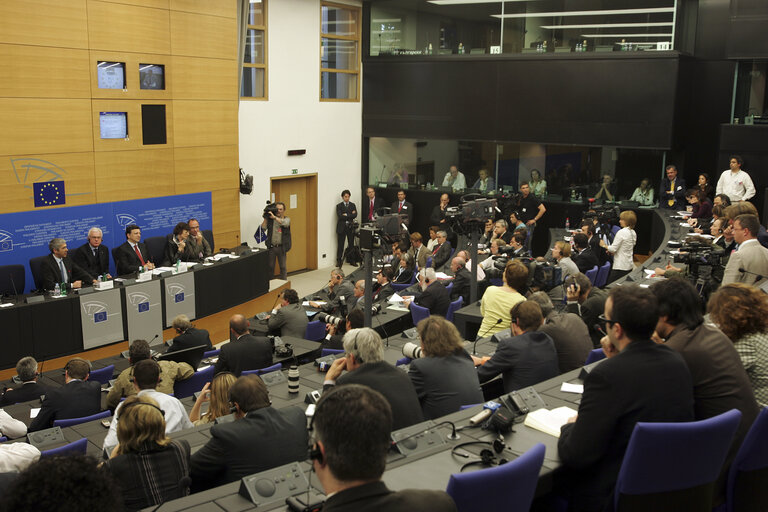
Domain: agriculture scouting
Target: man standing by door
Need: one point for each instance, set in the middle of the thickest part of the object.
(278, 239)
(345, 225)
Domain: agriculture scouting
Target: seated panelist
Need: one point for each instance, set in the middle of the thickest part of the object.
(93, 256)
(57, 268)
(132, 254)
(177, 249)
(197, 244)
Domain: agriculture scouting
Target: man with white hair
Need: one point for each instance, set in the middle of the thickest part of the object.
(93, 256)
(364, 365)
(441, 254)
(434, 296)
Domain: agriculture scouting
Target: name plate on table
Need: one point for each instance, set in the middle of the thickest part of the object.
(104, 285)
(144, 276)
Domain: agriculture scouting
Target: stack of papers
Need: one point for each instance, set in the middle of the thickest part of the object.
(548, 421)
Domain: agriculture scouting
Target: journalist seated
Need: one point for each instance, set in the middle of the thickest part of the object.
(433, 295)
(336, 327)
(339, 294)
(30, 389)
(188, 336)
(77, 398)
(288, 317)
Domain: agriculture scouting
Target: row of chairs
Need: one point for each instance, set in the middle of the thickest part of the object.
(598, 276)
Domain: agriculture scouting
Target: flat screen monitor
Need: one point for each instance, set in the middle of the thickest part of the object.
(113, 125)
(111, 75)
(152, 76)
(191, 356)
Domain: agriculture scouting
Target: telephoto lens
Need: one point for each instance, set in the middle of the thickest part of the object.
(412, 350)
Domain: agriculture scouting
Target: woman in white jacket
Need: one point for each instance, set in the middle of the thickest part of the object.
(623, 246)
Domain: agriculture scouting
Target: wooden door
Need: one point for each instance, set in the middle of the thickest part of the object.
(299, 193)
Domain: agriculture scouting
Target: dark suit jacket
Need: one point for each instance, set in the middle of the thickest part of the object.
(263, 439)
(290, 320)
(382, 293)
(461, 284)
(592, 308)
(678, 196)
(94, 265)
(375, 497)
(592, 448)
(403, 277)
(51, 273)
(347, 290)
(191, 338)
(442, 256)
(444, 384)
(246, 353)
(522, 361)
(76, 399)
(377, 203)
(345, 215)
(571, 338)
(600, 252)
(585, 260)
(396, 387)
(24, 393)
(407, 210)
(435, 298)
(127, 261)
(171, 253)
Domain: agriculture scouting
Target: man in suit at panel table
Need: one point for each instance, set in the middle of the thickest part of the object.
(592, 444)
(57, 268)
(750, 261)
(197, 244)
(403, 207)
(93, 256)
(434, 296)
(371, 205)
(77, 398)
(246, 352)
(288, 318)
(30, 389)
(188, 336)
(132, 254)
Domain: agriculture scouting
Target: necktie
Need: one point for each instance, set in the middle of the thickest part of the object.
(370, 211)
(437, 248)
(671, 191)
(399, 207)
(63, 272)
(138, 253)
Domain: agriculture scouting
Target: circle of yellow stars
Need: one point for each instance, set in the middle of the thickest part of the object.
(42, 192)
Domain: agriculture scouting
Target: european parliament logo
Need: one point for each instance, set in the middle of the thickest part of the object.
(48, 193)
(97, 310)
(6, 241)
(125, 219)
(140, 300)
(177, 291)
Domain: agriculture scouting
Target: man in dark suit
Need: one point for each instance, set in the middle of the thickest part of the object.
(57, 268)
(26, 369)
(672, 190)
(351, 431)
(383, 290)
(442, 252)
(584, 258)
(76, 399)
(340, 295)
(132, 254)
(588, 228)
(568, 332)
(434, 296)
(288, 318)
(188, 336)
(93, 256)
(371, 205)
(461, 280)
(403, 207)
(260, 438)
(245, 352)
(592, 445)
(346, 213)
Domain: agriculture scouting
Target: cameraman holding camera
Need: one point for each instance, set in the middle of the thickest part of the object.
(345, 225)
(278, 237)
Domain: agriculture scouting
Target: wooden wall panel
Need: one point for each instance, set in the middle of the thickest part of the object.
(18, 172)
(197, 35)
(205, 123)
(198, 78)
(122, 175)
(39, 125)
(157, 4)
(206, 168)
(132, 63)
(226, 213)
(225, 8)
(44, 23)
(127, 28)
(227, 239)
(38, 72)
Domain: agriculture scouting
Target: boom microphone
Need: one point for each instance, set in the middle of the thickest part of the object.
(474, 346)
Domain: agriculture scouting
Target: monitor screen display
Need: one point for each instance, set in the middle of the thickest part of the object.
(152, 76)
(113, 125)
(111, 75)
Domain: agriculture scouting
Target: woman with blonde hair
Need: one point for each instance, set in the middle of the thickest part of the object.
(216, 393)
(150, 467)
(623, 246)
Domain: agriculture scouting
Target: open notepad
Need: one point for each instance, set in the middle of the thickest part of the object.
(548, 421)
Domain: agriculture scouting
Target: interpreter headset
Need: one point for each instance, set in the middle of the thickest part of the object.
(134, 404)
(487, 456)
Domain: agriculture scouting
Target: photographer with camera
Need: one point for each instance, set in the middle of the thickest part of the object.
(346, 212)
(336, 326)
(278, 228)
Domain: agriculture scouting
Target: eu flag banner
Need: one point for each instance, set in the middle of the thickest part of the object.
(49, 193)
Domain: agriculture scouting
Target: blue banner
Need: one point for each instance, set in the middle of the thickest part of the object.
(24, 235)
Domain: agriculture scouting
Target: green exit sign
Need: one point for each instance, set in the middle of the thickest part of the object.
(294, 171)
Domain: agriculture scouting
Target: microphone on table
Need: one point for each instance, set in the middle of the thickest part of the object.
(599, 329)
(453, 435)
(474, 346)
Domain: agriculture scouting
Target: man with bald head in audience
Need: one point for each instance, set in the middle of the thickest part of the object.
(244, 351)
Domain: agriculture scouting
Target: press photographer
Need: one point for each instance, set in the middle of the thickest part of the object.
(278, 241)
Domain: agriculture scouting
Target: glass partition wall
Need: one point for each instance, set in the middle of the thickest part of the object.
(451, 27)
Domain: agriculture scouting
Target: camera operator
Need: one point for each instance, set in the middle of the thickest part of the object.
(278, 228)
(336, 327)
(346, 212)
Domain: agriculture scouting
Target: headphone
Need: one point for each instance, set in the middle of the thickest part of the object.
(487, 456)
(134, 404)
(314, 452)
(354, 348)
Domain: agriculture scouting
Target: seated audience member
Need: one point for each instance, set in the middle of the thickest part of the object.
(568, 332)
(358, 293)
(525, 358)
(364, 364)
(350, 439)
(30, 389)
(741, 312)
(592, 444)
(10, 427)
(484, 183)
(58, 269)
(151, 467)
(461, 280)
(750, 262)
(442, 252)
(588, 228)
(93, 256)
(188, 336)
(584, 258)
(16, 457)
(216, 393)
(745, 207)
(487, 236)
(644, 194)
(433, 296)
(288, 318)
(705, 185)
(517, 243)
(334, 339)
(383, 290)
(561, 252)
(438, 216)
(445, 377)
(404, 272)
(170, 372)
(66, 484)
(260, 438)
(132, 254)
(432, 242)
(77, 398)
(606, 189)
(500, 231)
(497, 301)
(340, 294)
(146, 377)
(721, 200)
(197, 246)
(498, 249)
(702, 207)
(465, 255)
(515, 222)
(723, 233)
(586, 301)
(418, 250)
(176, 248)
(245, 351)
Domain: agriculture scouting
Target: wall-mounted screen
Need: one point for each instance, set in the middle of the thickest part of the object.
(152, 76)
(111, 75)
(113, 125)
(153, 124)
